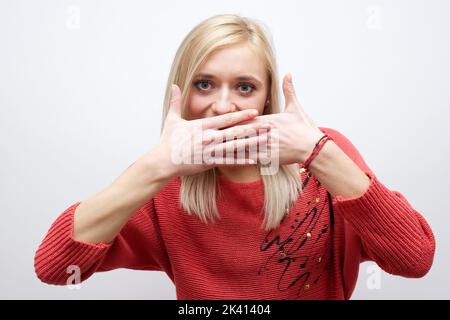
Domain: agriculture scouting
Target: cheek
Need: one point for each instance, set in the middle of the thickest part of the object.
(255, 102)
(197, 106)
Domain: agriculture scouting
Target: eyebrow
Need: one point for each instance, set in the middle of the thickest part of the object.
(240, 78)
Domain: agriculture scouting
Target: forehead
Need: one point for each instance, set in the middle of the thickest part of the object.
(233, 61)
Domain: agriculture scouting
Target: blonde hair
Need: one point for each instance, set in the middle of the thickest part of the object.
(198, 192)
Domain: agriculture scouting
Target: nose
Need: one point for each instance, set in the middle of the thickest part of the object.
(223, 103)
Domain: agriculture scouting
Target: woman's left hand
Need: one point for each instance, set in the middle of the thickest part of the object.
(293, 130)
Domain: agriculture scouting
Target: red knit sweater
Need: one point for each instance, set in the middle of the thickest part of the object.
(314, 254)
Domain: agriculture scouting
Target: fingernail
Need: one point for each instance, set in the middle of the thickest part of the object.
(254, 112)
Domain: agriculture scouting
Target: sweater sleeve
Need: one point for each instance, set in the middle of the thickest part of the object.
(137, 246)
(392, 232)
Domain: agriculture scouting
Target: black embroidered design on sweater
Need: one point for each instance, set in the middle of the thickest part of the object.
(300, 246)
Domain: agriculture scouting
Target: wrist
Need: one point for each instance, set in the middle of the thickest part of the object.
(155, 167)
(308, 148)
(323, 158)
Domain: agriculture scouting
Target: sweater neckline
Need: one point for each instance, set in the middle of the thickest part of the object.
(250, 184)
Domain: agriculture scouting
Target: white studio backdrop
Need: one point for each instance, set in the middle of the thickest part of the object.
(81, 91)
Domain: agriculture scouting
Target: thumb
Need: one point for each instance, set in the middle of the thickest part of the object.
(175, 100)
(290, 97)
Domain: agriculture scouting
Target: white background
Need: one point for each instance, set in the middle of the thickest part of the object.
(81, 99)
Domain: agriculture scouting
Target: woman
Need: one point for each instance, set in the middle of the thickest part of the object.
(225, 230)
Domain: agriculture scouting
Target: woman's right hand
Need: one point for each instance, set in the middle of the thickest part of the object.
(203, 136)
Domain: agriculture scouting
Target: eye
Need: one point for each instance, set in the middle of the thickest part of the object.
(248, 87)
(202, 84)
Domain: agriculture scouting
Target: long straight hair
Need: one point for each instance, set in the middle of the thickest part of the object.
(198, 193)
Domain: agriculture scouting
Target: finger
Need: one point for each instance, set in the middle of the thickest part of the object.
(229, 119)
(288, 89)
(175, 100)
(239, 146)
(290, 96)
(234, 162)
(244, 143)
(266, 118)
(239, 131)
(219, 157)
(292, 103)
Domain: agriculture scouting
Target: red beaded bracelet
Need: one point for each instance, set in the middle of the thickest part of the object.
(319, 145)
